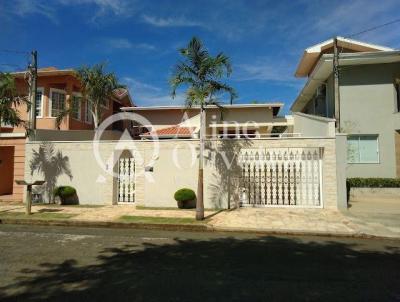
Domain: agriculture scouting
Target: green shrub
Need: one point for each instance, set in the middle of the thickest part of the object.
(184, 194)
(64, 191)
(56, 191)
(373, 183)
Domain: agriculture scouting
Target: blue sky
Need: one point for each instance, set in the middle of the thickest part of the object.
(139, 39)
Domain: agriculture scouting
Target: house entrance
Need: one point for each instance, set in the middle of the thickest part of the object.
(126, 180)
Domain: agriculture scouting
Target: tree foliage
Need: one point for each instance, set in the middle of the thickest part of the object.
(201, 73)
(9, 101)
(97, 88)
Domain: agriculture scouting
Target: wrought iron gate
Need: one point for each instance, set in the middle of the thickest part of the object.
(281, 177)
(126, 180)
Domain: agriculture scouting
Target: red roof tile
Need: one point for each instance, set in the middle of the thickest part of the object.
(120, 92)
(172, 131)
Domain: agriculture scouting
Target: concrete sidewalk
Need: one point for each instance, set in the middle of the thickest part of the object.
(273, 220)
(309, 221)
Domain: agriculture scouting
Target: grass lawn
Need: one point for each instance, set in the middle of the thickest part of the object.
(69, 205)
(159, 220)
(173, 209)
(41, 216)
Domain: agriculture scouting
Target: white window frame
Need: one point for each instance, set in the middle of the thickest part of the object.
(77, 94)
(41, 89)
(89, 113)
(377, 149)
(51, 99)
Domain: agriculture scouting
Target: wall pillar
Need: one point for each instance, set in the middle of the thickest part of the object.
(341, 163)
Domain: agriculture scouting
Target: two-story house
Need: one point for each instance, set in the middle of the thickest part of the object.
(369, 101)
(57, 90)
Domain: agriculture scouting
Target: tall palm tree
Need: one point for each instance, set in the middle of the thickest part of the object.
(97, 88)
(9, 101)
(201, 73)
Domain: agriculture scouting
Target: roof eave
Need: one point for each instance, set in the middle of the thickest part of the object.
(348, 56)
(235, 106)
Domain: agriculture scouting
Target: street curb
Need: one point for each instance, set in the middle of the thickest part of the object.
(107, 224)
(302, 233)
(185, 227)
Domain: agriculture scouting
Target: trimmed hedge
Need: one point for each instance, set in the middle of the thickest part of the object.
(64, 191)
(373, 183)
(184, 194)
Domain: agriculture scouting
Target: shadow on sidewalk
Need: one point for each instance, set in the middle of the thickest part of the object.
(226, 269)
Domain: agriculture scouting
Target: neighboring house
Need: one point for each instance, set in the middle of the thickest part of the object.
(57, 90)
(227, 121)
(369, 101)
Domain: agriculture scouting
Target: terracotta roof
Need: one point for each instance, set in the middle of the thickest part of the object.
(172, 131)
(49, 68)
(120, 92)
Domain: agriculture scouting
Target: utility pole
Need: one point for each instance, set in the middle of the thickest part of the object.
(33, 90)
(336, 82)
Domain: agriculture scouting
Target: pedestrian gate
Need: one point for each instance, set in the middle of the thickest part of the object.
(281, 177)
(126, 180)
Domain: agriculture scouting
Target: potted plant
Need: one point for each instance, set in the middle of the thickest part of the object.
(185, 198)
(66, 194)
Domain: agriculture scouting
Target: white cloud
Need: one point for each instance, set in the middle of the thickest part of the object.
(264, 69)
(118, 8)
(140, 86)
(49, 9)
(28, 7)
(170, 22)
(344, 18)
(145, 94)
(122, 43)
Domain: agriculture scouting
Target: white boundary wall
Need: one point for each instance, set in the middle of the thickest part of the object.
(94, 186)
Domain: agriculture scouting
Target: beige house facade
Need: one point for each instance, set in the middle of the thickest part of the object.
(229, 121)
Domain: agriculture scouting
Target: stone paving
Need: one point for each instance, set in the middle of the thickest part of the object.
(283, 219)
(252, 219)
(101, 213)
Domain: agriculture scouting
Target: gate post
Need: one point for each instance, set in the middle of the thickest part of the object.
(341, 163)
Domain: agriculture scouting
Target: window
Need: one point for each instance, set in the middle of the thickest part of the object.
(76, 107)
(39, 102)
(57, 102)
(397, 86)
(88, 113)
(362, 149)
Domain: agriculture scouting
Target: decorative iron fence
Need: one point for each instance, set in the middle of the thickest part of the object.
(281, 177)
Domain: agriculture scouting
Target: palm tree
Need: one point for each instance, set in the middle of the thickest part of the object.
(61, 115)
(51, 164)
(201, 74)
(9, 101)
(97, 88)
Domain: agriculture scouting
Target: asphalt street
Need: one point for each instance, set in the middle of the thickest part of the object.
(93, 264)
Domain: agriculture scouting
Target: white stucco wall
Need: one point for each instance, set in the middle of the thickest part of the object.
(96, 186)
(313, 126)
